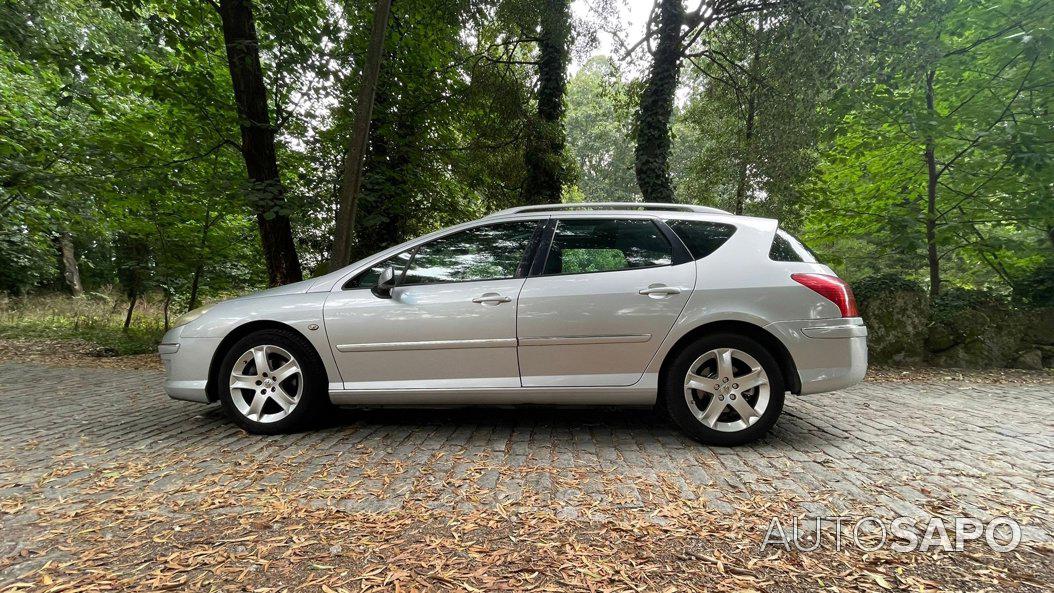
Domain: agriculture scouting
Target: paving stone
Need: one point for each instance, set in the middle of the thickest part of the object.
(877, 449)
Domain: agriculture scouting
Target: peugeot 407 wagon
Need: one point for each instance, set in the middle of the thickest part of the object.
(712, 317)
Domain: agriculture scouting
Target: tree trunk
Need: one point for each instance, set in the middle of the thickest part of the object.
(544, 157)
(348, 204)
(70, 271)
(748, 131)
(194, 284)
(199, 267)
(258, 144)
(744, 163)
(931, 197)
(393, 142)
(132, 298)
(652, 153)
(164, 308)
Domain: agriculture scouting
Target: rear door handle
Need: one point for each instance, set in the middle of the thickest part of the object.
(659, 290)
(492, 298)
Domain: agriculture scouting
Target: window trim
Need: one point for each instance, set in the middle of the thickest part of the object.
(677, 249)
(520, 267)
(681, 253)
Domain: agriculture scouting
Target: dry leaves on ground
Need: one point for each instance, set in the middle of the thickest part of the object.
(131, 527)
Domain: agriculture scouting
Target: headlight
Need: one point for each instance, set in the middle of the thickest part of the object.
(190, 316)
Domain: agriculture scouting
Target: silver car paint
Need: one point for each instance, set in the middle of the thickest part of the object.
(428, 336)
(433, 345)
(590, 330)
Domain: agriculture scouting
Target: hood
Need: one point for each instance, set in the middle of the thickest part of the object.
(294, 288)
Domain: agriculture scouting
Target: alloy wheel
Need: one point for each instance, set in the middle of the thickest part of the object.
(727, 389)
(266, 383)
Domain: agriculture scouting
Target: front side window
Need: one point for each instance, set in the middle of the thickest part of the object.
(491, 252)
(369, 278)
(582, 246)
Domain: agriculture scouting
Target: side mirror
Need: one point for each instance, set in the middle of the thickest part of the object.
(385, 284)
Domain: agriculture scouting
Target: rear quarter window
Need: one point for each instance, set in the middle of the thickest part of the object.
(787, 248)
(702, 237)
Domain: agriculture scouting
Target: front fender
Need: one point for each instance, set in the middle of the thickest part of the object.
(303, 312)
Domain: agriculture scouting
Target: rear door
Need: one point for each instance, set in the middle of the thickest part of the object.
(596, 308)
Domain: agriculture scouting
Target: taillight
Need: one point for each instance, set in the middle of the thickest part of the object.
(831, 288)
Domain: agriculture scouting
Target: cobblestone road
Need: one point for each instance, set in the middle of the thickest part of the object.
(880, 448)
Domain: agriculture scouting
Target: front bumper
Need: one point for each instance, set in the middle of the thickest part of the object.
(830, 354)
(187, 362)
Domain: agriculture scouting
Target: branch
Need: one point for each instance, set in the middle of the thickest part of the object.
(166, 164)
(7, 204)
(1002, 115)
(1015, 25)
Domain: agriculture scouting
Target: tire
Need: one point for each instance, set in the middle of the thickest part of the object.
(294, 401)
(721, 422)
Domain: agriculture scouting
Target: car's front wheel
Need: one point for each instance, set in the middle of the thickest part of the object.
(271, 381)
(724, 390)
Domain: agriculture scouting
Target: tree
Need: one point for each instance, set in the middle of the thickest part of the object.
(352, 179)
(674, 31)
(943, 146)
(544, 157)
(599, 132)
(753, 112)
(449, 124)
(656, 104)
(267, 194)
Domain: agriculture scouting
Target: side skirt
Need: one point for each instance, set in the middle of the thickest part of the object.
(636, 395)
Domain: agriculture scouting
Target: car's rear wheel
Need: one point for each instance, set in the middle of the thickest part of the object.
(724, 390)
(271, 381)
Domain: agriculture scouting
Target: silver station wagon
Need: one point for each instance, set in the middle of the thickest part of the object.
(712, 317)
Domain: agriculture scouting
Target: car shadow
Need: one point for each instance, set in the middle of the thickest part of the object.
(521, 417)
(551, 422)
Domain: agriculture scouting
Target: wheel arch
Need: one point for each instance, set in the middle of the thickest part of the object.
(743, 328)
(240, 332)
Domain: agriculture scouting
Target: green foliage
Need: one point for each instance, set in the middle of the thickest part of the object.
(91, 319)
(1036, 287)
(599, 133)
(746, 136)
(652, 129)
(26, 259)
(956, 301)
(992, 81)
(882, 284)
(118, 128)
(578, 261)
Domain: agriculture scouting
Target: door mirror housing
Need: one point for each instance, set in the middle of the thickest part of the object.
(385, 284)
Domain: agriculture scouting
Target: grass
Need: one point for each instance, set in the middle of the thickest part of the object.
(94, 319)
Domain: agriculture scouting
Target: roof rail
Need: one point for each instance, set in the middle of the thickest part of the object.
(610, 206)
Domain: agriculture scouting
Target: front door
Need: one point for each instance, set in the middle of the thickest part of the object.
(607, 296)
(450, 322)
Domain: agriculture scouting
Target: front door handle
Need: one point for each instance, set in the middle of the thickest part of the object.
(659, 290)
(492, 298)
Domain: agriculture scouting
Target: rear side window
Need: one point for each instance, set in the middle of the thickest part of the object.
(787, 248)
(701, 237)
(582, 246)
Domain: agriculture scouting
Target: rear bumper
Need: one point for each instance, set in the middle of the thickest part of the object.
(829, 353)
(187, 362)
